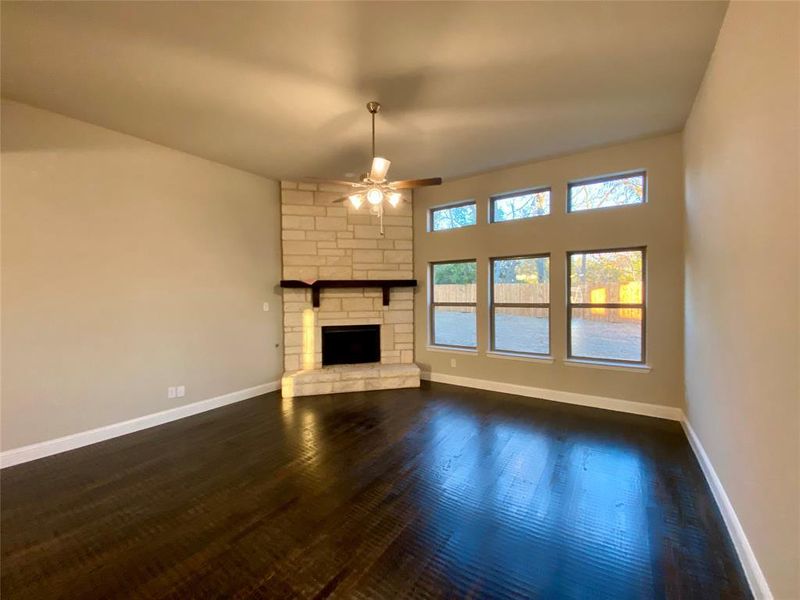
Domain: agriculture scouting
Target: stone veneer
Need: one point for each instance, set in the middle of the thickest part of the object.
(323, 240)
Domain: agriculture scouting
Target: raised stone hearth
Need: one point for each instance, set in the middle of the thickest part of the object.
(349, 378)
(323, 240)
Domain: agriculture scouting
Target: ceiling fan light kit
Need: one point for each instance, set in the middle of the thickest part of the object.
(373, 187)
(374, 196)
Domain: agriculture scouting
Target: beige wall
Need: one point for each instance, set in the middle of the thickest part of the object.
(741, 153)
(656, 224)
(127, 267)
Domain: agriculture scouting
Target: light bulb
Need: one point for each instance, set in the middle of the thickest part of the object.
(394, 198)
(374, 196)
(356, 200)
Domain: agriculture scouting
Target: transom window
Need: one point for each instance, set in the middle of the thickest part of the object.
(520, 304)
(520, 205)
(453, 301)
(606, 305)
(605, 192)
(453, 216)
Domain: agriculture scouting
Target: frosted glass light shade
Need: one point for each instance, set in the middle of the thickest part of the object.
(380, 166)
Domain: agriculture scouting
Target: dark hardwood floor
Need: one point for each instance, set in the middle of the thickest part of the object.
(438, 492)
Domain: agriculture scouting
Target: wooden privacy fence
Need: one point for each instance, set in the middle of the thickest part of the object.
(517, 293)
(513, 293)
(456, 292)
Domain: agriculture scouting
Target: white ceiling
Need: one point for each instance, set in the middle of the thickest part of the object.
(279, 88)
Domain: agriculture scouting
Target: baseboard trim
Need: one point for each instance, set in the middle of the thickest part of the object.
(24, 454)
(638, 408)
(755, 576)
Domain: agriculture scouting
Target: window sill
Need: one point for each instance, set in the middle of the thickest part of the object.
(610, 366)
(430, 348)
(522, 357)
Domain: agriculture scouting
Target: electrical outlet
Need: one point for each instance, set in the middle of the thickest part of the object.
(181, 391)
(266, 306)
(452, 362)
(171, 393)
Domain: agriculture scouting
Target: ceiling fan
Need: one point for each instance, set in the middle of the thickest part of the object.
(374, 188)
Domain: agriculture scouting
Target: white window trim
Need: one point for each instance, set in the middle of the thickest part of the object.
(609, 366)
(534, 358)
(456, 349)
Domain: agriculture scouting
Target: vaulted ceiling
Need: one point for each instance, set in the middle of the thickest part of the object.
(279, 88)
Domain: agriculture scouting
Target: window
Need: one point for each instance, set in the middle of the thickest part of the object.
(521, 304)
(520, 205)
(453, 216)
(453, 297)
(606, 305)
(604, 192)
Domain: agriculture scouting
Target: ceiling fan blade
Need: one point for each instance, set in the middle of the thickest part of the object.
(342, 199)
(406, 184)
(380, 166)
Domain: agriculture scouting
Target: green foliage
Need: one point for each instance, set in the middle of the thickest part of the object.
(522, 270)
(463, 272)
(599, 269)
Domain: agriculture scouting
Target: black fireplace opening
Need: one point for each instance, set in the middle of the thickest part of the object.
(350, 344)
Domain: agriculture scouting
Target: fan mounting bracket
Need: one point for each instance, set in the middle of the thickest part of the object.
(373, 107)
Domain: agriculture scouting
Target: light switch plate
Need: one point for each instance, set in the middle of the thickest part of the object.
(181, 391)
(171, 392)
(266, 307)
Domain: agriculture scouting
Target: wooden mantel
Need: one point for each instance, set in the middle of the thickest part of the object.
(320, 284)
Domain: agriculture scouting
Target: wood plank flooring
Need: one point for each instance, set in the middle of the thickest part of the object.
(437, 492)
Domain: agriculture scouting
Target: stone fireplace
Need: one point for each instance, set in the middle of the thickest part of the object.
(323, 240)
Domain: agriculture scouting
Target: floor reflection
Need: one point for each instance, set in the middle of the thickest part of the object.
(508, 503)
(439, 492)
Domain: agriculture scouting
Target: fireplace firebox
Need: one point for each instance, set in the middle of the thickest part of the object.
(351, 344)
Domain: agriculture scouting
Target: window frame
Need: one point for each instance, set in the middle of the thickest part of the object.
(616, 305)
(603, 179)
(514, 194)
(493, 305)
(432, 304)
(441, 207)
